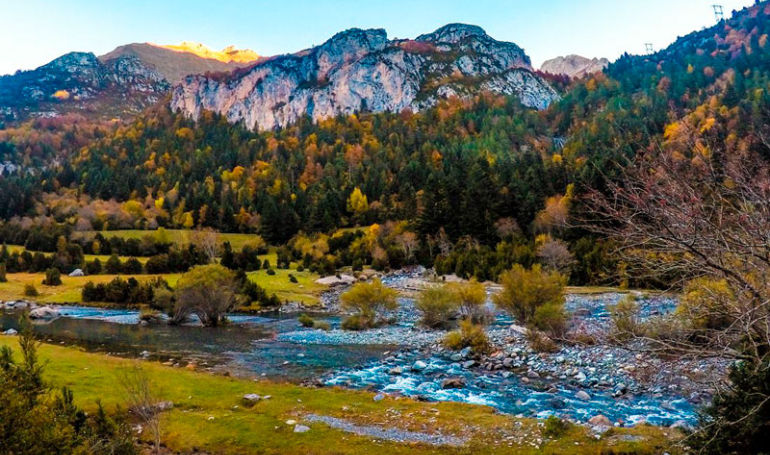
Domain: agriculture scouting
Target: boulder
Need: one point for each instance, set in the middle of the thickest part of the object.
(77, 272)
(453, 383)
(164, 406)
(251, 398)
(600, 420)
(533, 374)
(10, 332)
(583, 396)
(419, 365)
(379, 397)
(45, 312)
(301, 429)
(396, 371)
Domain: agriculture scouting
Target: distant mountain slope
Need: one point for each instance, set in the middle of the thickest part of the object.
(574, 66)
(176, 62)
(118, 84)
(362, 70)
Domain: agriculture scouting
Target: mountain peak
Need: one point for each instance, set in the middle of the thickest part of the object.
(574, 66)
(230, 54)
(453, 33)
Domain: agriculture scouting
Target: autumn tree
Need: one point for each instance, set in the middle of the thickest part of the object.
(208, 291)
(368, 302)
(535, 297)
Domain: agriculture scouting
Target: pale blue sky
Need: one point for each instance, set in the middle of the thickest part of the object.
(33, 32)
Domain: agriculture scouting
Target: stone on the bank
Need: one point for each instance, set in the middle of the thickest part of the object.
(301, 429)
(396, 371)
(164, 406)
(10, 332)
(465, 352)
(379, 397)
(600, 420)
(251, 398)
(533, 374)
(581, 395)
(681, 425)
(77, 272)
(469, 364)
(45, 312)
(453, 383)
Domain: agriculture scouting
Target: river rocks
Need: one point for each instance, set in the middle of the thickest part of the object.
(419, 366)
(469, 364)
(10, 332)
(164, 406)
(291, 422)
(379, 397)
(336, 280)
(301, 429)
(453, 383)
(583, 396)
(45, 312)
(533, 374)
(251, 398)
(397, 371)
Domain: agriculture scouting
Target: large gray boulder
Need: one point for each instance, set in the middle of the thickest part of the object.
(45, 312)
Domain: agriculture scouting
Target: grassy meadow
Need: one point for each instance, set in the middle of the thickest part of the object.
(209, 415)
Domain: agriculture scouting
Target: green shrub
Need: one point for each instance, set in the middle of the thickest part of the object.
(306, 320)
(270, 272)
(471, 296)
(300, 268)
(3, 278)
(52, 277)
(534, 297)
(555, 428)
(625, 319)
(30, 290)
(540, 342)
(469, 335)
(706, 303)
(368, 301)
(438, 305)
(293, 279)
(322, 325)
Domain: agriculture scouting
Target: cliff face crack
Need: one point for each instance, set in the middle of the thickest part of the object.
(359, 68)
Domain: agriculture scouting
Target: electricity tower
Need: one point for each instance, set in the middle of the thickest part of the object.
(719, 13)
(648, 48)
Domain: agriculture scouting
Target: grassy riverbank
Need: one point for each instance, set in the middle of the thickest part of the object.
(208, 415)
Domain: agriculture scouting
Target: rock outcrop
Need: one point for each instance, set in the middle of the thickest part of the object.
(574, 66)
(360, 70)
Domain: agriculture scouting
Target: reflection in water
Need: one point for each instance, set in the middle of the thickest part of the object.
(245, 347)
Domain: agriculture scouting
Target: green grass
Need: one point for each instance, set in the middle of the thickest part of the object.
(305, 291)
(68, 292)
(235, 429)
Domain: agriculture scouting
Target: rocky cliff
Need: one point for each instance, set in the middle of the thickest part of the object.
(363, 70)
(574, 66)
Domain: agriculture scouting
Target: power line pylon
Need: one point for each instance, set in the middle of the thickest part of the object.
(648, 48)
(719, 13)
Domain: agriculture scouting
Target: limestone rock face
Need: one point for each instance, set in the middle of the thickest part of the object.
(574, 66)
(359, 70)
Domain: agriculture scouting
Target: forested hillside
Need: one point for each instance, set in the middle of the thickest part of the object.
(478, 172)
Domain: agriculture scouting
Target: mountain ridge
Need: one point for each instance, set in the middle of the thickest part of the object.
(363, 70)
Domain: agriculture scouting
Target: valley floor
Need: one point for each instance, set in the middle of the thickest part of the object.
(209, 415)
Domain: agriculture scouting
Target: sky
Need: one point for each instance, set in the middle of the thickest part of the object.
(34, 32)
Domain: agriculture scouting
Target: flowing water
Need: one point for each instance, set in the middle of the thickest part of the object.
(276, 346)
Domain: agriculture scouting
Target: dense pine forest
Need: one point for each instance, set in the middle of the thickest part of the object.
(481, 181)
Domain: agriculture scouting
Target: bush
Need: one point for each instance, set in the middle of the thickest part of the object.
(3, 278)
(293, 279)
(30, 290)
(163, 300)
(132, 266)
(52, 277)
(270, 272)
(306, 320)
(706, 304)
(208, 291)
(356, 323)
(540, 342)
(113, 266)
(534, 297)
(470, 335)
(369, 301)
(300, 268)
(471, 296)
(322, 325)
(438, 305)
(94, 267)
(555, 428)
(737, 420)
(625, 319)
